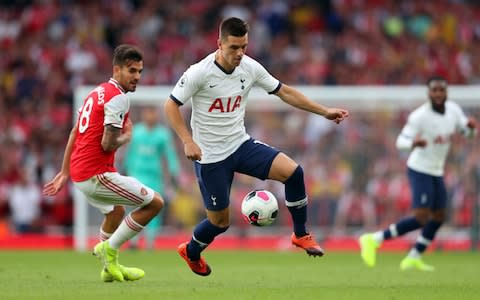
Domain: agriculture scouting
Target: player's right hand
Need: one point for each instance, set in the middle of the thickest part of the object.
(419, 142)
(337, 115)
(51, 188)
(192, 151)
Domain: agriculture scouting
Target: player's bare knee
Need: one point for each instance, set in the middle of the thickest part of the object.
(222, 223)
(422, 215)
(439, 216)
(296, 175)
(283, 168)
(220, 220)
(157, 203)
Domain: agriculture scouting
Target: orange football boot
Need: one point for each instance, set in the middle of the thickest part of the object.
(199, 267)
(308, 244)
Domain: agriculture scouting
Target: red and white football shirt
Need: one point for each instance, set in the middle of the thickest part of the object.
(106, 104)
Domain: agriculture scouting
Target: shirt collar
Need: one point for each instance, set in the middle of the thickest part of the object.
(115, 83)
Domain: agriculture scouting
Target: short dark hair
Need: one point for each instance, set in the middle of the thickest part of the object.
(436, 78)
(233, 26)
(124, 54)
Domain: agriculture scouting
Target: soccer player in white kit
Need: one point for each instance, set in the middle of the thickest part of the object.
(427, 134)
(102, 127)
(218, 87)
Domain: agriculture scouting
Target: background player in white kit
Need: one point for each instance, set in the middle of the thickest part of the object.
(428, 134)
(218, 86)
(102, 127)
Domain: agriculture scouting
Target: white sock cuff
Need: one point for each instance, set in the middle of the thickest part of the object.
(104, 235)
(414, 253)
(299, 203)
(378, 237)
(132, 224)
(393, 230)
(202, 244)
(422, 240)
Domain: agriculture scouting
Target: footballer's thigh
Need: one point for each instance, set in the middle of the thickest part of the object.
(282, 167)
(260, 160)
(423, 194)
(214, 181)
(108, 189)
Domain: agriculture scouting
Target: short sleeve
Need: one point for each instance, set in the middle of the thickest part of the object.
(186, 86)
(461, 118)
(265, 80)
(412, 128)
(115, 110)
(409, 132)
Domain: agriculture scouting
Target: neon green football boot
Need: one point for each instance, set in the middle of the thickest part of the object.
(109, 257)
(368, 247)
(409, 263)
(129, 274)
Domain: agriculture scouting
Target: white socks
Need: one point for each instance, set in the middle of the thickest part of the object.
(127, 229)
(103, 236)
(414, 253)
(378, 237)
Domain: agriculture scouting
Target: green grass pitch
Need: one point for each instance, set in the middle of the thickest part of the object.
(249, 275)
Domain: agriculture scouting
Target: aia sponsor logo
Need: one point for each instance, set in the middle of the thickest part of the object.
(439, 140)
(225, 105)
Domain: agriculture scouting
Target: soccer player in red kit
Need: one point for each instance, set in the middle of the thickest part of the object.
(102, 127)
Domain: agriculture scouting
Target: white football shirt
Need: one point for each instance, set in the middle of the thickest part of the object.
(218, 103)
(437, 129)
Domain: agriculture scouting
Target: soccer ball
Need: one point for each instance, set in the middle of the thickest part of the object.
(260, 208)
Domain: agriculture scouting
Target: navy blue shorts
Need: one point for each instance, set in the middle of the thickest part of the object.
(252, 158)
(427, 191)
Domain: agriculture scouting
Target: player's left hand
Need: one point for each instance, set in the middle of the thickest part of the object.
(51, 188)
(337, 115)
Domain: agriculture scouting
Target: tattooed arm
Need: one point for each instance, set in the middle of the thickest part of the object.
(114, 137)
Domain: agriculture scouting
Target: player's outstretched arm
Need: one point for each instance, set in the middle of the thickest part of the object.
(177, 122)
(295, 98)
(55, 185)
(51, 188)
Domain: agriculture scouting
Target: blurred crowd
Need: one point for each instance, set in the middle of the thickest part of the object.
(355, 176)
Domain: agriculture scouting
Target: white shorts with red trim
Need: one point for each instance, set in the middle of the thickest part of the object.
(106, 190)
